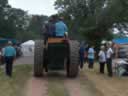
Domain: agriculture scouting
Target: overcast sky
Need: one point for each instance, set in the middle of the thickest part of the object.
(44, 7)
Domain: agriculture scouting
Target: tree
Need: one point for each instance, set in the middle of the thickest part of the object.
(36, 25)
(20, 20)
(94, 18)
(10, 20)
(17, 23)
(4, 23)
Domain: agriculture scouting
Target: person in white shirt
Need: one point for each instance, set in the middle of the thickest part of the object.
(109, 54)
(102, 59)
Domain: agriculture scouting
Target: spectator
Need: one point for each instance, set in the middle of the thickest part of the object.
(102, 59)
(109, 59)
(86, 54)
(60, 27)
(91, 57)
(9, 55)
(0, 57)
(81, 52)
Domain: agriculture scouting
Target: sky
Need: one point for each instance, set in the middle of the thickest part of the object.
(41, 7)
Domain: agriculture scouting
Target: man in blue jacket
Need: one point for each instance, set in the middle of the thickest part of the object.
(50, 27)
(60, 28)
(81, 52)
(9, 55)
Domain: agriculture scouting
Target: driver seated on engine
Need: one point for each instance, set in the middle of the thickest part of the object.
(54, 29)
(60, 28)
(50, 28)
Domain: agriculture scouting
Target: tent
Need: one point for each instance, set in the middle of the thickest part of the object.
(120, 46)
(5, 40)
(120, 41)
(28, 48)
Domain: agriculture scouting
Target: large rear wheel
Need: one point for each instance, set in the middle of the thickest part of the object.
(73, 59)
(38, 58)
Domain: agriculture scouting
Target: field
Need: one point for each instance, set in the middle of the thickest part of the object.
(88, 83)
(14, 86)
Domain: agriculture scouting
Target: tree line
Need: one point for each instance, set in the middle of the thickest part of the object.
(95, 20)
(17, 23)
(90, 20)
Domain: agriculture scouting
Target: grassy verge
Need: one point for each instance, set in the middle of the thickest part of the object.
(13, 86)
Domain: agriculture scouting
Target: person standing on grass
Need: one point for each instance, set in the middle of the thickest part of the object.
(102, 59)
(91, 56)
(86, 54)
(109, 54)
(0, 56)
(81, 52)
(9, 55)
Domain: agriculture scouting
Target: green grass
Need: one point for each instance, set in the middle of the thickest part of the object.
(13, 86)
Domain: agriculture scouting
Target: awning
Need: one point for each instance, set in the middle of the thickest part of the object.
(4, 40)
(120, 41)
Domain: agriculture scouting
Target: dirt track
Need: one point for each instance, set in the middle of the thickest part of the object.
(66, 86)
(36, 87)
(60, 85)
(73, 86)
